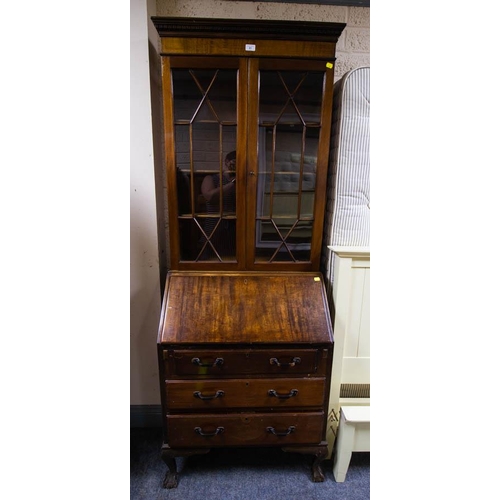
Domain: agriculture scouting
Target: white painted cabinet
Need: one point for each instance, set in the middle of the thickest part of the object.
(351, 328)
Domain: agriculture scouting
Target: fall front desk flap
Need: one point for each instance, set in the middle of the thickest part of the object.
(201, 307)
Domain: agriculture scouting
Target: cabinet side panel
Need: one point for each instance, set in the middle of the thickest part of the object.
(168, 119)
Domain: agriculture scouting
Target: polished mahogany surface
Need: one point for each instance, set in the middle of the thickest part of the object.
(245, 308)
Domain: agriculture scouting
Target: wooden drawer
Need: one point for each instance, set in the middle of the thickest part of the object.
(244, 429)
(268, 393)
(210, 363)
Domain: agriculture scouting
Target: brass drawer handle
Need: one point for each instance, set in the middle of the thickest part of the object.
(274, 361)
(292, 393)
(288, 431)
(218, 394)
(219, 430)
(217, 362)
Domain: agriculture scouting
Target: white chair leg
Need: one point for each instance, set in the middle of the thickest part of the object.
(343, 450)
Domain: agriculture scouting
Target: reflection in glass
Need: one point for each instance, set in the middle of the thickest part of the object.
(219, 194)
(205, 132)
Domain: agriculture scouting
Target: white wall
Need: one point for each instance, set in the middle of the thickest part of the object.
(144, 268)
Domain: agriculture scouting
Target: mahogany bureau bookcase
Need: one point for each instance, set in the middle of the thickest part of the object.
(245, 341)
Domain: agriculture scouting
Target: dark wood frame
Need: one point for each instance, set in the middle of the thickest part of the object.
(278, 44)
(316, 350)
(196, 27)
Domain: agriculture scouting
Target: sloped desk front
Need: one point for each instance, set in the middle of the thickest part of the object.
(245, 360)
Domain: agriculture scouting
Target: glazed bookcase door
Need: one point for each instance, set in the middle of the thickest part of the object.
(275, 114)
(204, 122)
(288, 145)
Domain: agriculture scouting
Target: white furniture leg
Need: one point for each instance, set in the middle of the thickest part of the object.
(353, 434)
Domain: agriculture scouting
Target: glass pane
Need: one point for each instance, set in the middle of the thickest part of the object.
(186, 95)
(204, 95)
(308, 98)
(219, 244)
(205, 142)
(289, 126)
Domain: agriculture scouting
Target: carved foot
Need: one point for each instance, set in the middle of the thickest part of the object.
(318, 476)
(320, 452)
(171, 477)
(171, 480)
(168, 456)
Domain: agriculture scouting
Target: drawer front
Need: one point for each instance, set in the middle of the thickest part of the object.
(266, 393)
(244, 429)
(210, 363)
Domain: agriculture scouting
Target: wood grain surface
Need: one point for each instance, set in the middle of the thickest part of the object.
(245, 308)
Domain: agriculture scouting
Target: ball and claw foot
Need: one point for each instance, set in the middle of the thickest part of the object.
(171, 480)
(171, 476)
(319, 451)
(318, 476)
(168, 456)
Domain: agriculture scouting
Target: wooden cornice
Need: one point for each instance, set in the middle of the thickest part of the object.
(259, 29)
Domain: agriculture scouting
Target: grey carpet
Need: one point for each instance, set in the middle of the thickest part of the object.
(240, 474)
